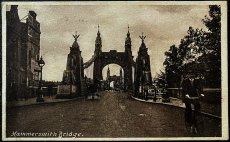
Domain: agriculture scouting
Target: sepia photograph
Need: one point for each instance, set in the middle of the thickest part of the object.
(106, 70)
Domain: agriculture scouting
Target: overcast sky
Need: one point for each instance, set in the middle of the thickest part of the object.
(163, 26)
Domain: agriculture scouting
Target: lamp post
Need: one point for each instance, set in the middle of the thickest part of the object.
(40, 98)
(166, 93)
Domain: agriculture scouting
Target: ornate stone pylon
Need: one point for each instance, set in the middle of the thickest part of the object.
(74, 72)
(142, 71)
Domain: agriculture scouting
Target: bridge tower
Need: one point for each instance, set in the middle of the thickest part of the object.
(128, 80)
(97, 75)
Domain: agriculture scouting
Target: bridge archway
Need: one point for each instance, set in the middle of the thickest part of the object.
(113, 57)
(114, 70)
(101, 59)
(113, 76)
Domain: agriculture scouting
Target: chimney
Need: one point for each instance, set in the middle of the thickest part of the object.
(14, 8)
(33, 14)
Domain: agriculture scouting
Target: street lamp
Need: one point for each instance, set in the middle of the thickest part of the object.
(40, 98)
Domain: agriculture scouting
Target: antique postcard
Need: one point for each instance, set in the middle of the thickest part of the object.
(127, 70)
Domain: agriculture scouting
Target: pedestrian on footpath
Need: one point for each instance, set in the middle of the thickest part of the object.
(192, 87)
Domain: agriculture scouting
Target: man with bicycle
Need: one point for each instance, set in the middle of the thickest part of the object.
(192, 90)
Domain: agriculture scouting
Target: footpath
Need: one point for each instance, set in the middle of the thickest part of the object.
(32, 101)
(206, 109)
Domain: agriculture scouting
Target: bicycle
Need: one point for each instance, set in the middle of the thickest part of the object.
(196, 125)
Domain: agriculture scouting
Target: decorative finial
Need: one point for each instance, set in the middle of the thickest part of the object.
(98, 32)
(128, 34)
(142, 37)
(76, 36)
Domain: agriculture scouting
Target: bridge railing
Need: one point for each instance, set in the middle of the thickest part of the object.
(212, 95)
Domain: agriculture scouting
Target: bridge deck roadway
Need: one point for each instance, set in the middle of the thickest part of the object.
(114, 115)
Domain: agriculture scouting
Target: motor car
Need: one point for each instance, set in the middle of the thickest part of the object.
(151, 92)
(93, 96)
(40, 99)
(116, 89)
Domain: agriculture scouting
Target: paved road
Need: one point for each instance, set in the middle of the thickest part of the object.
(114, 115)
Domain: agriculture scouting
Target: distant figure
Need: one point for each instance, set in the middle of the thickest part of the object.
(146, 92)
(50, 88)
(91, 90)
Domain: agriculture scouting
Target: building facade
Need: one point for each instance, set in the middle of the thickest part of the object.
(22, 53)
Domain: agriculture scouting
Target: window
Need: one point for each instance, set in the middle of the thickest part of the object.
(30, 31)
(30, 19)
(30, 55)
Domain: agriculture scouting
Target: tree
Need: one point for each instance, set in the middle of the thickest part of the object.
(160, 79)
(172, 66)
(198, 49)
(191, 48)
(212, 55)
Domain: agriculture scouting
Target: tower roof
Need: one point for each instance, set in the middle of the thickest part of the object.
(128, 39)
(75, 45)
(98, 39)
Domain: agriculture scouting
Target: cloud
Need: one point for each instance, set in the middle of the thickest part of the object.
(163, 26)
